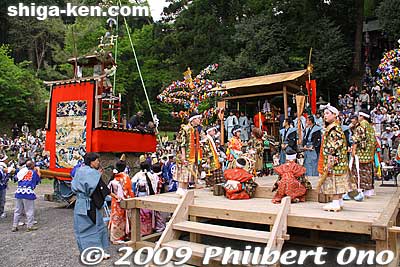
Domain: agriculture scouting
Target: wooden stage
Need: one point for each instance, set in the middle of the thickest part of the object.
(376, 217)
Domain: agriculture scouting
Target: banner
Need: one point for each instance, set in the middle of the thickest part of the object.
(312, 94)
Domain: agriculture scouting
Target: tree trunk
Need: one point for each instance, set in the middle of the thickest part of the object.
(359, 4)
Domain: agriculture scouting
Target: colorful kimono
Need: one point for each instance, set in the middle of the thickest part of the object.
(333, 165)
(312, 139)
(119, 223)
(148, 184)
(87, 233)
(257, 144)
(189, 139)
(364, 137)
(234, 148)
(215, 175)
(291, 183)
(239, 184)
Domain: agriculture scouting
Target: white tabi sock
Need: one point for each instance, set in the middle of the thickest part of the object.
(336, 203)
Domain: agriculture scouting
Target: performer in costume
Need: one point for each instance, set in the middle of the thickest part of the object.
(121, 188)
(189, 157)
(235, 144)
(311, 145)
(256, 144)
(291, 180)
(239, 183)
(363, 152)
(288, 139)
(245, 125)
(211, 158)
(89, 227)
(333, 165)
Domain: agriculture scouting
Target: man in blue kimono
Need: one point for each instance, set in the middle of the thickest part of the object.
(89, 228)
(311, 144)
(288, 140)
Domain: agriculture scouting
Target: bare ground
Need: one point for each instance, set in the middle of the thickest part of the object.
(52, 245)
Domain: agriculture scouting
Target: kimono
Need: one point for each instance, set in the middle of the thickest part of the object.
(289, 137)
(257, 144)
(211, 154)
(189, 139)
(239, 184)
(119, 223)
(245, 127)
(234, 148)
(291, 183)
(364, 137)
(87, 233)
(146, 184)
(312, 139)
(333, 164)
(230, 122)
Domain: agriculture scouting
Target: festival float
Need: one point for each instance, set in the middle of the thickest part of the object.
(84, 115)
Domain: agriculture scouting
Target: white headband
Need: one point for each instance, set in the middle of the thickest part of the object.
(330, 108)
(212, 128)
(194, 117)
(237, 130)
(363, 114)
(239, 165)
(291, 157)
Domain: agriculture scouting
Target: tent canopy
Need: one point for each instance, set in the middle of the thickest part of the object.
(265, 85)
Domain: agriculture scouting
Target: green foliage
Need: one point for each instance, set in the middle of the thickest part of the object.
(388, 15)
(22, 95)
(246, 37)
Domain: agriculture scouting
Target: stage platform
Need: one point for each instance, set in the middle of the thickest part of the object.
(375, 217)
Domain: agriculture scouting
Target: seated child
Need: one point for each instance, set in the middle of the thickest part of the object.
(291, 181)
(239, 183)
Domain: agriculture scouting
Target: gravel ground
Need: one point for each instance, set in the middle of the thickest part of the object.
(54, 245)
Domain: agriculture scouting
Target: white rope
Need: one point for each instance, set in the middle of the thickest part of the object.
(140, 73)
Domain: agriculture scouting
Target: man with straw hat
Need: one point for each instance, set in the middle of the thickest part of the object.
(333, 165)
(190, 154)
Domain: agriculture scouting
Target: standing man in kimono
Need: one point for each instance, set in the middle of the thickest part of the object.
(211, 158)
(231, 122)
(288, 139)
(311, 144)
(89, 227)
(333, 165)
(245, 125)
(187, 163)
(363, 152)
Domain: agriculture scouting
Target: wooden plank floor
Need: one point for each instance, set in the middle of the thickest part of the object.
(357, 217)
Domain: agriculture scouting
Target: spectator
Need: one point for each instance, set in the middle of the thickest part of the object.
(135, 120)
(28, 179)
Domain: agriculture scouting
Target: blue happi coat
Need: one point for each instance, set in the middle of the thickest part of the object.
(87, 233)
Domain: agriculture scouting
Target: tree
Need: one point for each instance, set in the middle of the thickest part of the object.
(22, 95)
(388, 15)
